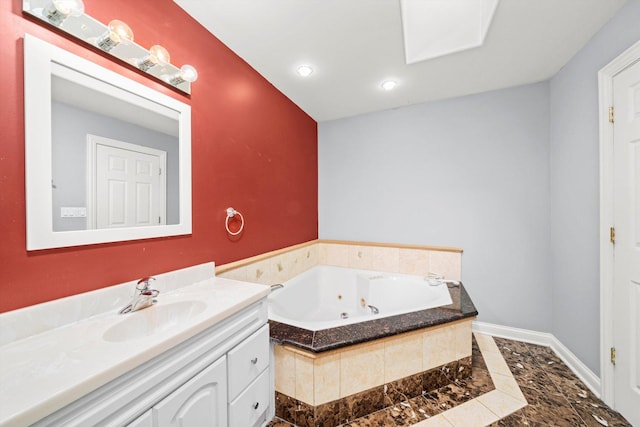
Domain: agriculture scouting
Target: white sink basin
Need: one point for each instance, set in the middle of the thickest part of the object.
(152, 320)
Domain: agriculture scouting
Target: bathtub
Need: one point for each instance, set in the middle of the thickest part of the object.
(327, 297)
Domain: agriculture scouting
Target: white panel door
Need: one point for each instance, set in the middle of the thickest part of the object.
(626, 288)
(201, 402)
(129, 185)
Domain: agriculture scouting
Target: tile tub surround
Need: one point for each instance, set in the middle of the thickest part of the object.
(361, 379)
(425, 406)
(542, 374)
(281, 265)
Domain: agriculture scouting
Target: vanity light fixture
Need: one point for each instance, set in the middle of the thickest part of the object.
(59, 10)
(157, 56)
(389, 85)
(115, 38)
(116, 33)
(187, 73)
(304, 70)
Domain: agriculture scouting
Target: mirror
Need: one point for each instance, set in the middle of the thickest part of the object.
(107, 159)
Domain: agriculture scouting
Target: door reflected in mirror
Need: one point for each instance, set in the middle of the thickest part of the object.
(107, 159)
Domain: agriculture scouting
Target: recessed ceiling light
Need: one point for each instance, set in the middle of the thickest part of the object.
(388, 84)
(304, 70)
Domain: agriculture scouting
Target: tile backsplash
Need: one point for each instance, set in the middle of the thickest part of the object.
(282, 265)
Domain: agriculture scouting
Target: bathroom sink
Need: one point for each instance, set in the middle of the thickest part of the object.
(153, 319)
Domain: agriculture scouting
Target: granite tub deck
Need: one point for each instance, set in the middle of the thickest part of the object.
(335, 338)
(329, 377)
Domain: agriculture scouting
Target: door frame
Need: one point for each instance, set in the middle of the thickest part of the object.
(92, 142)
(605, 95)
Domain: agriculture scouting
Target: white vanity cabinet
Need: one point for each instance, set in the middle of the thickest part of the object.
(218, 378)
(248, 375)
(199, 402)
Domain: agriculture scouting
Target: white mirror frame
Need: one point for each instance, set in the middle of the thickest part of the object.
(38, 59)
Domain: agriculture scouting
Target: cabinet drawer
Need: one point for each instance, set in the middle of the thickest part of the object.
(247, 360)
(250, 406)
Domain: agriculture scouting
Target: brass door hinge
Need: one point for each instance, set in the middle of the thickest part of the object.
(610, 114)
(613, 356)
(612, 234)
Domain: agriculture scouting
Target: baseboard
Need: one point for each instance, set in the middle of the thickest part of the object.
(546, 339)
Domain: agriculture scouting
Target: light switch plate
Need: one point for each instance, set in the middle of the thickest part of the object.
(73, 212)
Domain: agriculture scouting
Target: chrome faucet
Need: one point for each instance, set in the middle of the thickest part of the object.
(143, 296)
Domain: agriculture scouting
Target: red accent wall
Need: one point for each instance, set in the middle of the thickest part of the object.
(252, 149)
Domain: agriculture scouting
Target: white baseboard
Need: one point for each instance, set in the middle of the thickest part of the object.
(546, 339)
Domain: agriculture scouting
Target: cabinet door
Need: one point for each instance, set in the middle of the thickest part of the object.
(200, 402)
(144, 420)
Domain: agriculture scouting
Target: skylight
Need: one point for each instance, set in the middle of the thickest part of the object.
(434, 28)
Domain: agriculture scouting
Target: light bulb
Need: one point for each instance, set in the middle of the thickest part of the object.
(161, 54)
(188, 73)
(117, 32)
(59, 10)
(304, 70)
(388, 84)
(121, 29)
(157, 55)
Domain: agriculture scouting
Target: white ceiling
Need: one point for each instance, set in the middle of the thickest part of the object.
(354, 45)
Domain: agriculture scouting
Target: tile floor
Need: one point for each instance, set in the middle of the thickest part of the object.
(512, 384)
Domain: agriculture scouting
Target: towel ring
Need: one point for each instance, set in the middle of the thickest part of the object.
(230, 214)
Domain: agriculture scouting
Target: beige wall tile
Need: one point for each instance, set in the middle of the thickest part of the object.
(326, 378)
(447, 264)
(438, 347)
(402, 357)
(374, 258)
(295, 262)
(261, 272)
(281, 268)
(309, 257)
(386, 259)
(304, 379)
(413, 261)
(235, 274)
(358, 257)
(361, 369)
(285, 371)
(463, 339)
(334, 254)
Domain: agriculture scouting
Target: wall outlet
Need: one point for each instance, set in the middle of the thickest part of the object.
(74, 212)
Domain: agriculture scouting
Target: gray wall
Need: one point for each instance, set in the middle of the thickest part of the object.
(575, 199)
(70, 127)
(471, 172)
(511, 176)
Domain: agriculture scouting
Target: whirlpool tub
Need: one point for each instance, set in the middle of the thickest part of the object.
(327, 297)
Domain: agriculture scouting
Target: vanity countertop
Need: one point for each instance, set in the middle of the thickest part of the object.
(42, 373)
